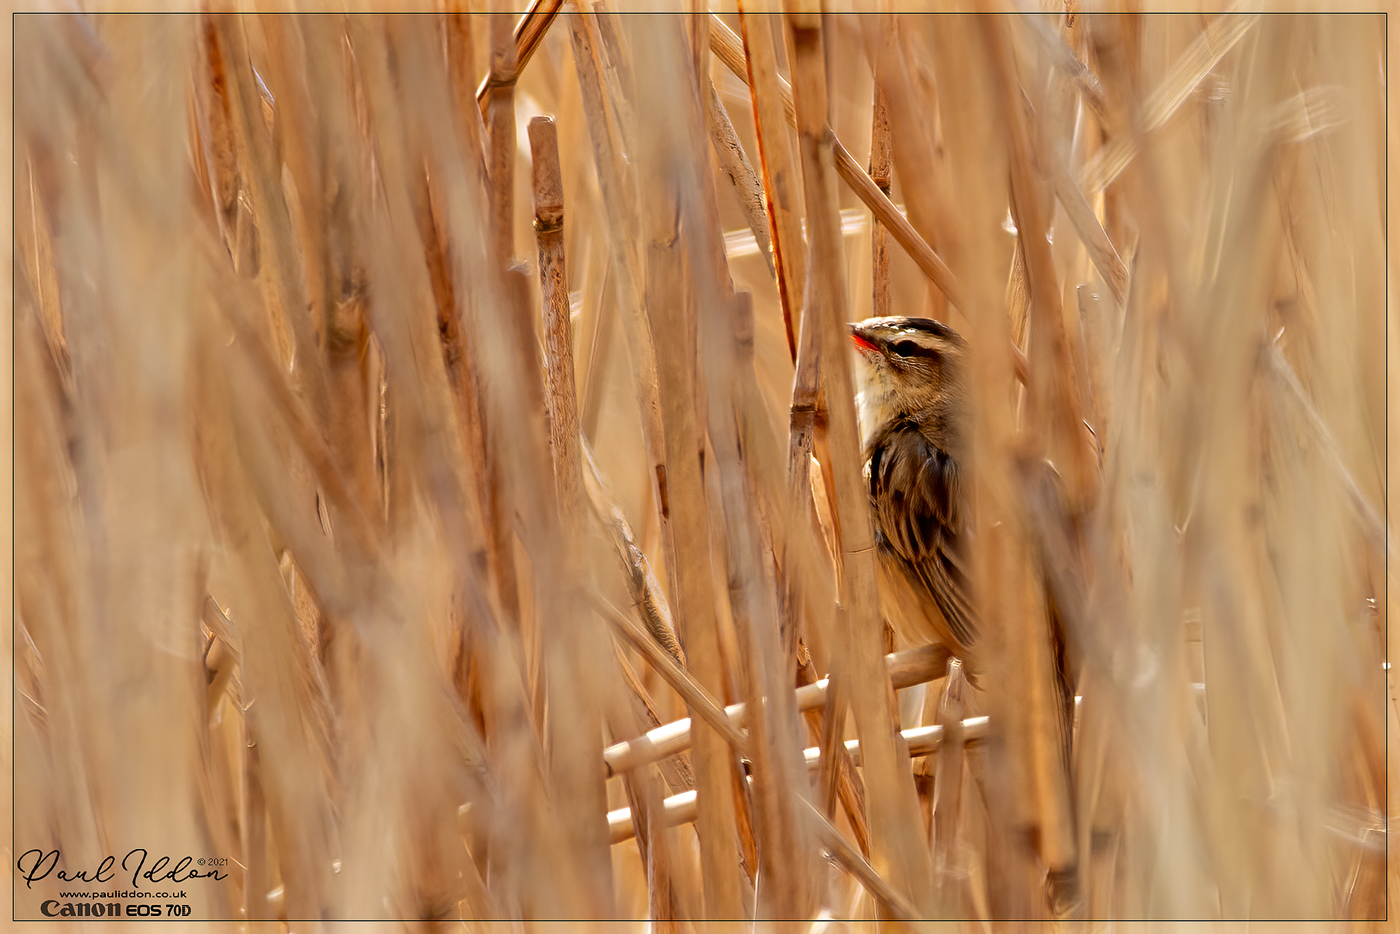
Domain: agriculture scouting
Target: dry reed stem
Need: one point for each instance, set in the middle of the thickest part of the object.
(808, 437)
(754, 494)
(460, 44)
(676, 809)
(500, 116)
(619, 200)
(700, 701)
(645, 590)
(890, 788)
(736, 165)
(471, 132)
(780, 169)
(895, 904)
(420, 428)
(727, 47)
(559, 665)
(560, 397)
(286, 288)
(575, 648)
(948, 789)
(597, 363)
(1086, 83)
(675, 770)
(849, 790)
(906, 669)
(756, 517)
(353, 370)
(1081, 214)
(921, 741)
(881, 166)
(644, 794)
(274, 661)
(807, 413)
(1190, 70)
(527, 35)
(748, 472)
(1003, 578)
(1054, 147)
(1230, 343)
(683, 499)
(1366, 512)
(1054, 409)
(928, 196)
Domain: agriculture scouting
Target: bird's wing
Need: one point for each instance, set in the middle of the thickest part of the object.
(914, 491)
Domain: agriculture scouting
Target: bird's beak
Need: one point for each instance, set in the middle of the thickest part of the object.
(863, 343)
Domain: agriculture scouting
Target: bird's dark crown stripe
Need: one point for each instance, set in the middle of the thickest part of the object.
(930, 326)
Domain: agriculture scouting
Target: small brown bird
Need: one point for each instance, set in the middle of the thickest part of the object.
(912, 412)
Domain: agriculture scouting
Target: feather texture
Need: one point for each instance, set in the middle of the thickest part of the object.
(916, 496)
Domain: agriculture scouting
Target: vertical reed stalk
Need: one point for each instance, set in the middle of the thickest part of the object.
(500, 114)
(898, 853)
(1053, 407)
(575, 646)
(881, 165)
(781, 180)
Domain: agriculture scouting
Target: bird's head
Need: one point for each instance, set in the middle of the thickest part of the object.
(913, 368)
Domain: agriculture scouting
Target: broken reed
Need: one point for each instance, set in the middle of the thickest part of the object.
(444, 550)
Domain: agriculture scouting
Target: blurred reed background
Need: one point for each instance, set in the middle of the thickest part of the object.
(353, 547)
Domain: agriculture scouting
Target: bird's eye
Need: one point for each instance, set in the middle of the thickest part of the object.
(908, 349)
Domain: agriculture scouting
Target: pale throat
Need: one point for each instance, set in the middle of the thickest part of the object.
(874, 401)
(882, 397)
